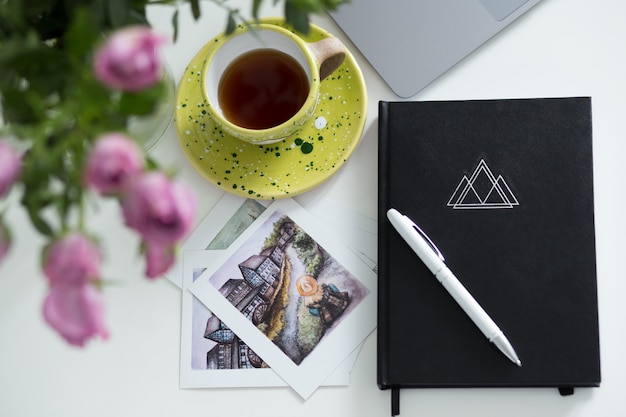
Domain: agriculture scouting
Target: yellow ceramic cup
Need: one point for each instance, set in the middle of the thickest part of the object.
(317, 59)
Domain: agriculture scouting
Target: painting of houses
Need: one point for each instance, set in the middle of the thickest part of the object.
(216, 346)
(230, 352)
(261, 280)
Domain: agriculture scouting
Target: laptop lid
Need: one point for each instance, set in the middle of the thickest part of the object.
(412, 42)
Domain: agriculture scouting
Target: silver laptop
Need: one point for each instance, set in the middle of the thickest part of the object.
(412, 42)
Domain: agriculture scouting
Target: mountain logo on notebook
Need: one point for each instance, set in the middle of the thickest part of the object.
(482, 191)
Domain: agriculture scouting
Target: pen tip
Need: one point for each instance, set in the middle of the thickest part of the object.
(519, 363)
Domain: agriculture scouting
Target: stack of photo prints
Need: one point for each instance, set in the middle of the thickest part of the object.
(276, 294)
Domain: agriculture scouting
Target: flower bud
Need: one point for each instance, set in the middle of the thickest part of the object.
(160, 210)
(72, 260)
(113, 160)
(159, 259)
(129, 60)
(76, 312)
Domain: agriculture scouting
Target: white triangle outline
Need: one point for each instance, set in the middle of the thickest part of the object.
(506, 197)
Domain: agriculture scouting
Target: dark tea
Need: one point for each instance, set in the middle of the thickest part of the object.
(262, 88)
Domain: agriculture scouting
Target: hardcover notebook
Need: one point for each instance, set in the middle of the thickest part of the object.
(504, 188)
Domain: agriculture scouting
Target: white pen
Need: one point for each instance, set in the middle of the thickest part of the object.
(433, 259)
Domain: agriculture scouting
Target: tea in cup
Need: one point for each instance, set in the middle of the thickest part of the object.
(263, 84)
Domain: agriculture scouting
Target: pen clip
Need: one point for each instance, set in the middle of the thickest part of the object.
(427, 239)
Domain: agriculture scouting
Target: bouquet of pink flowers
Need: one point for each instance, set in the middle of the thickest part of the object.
(158, 208)
(72, 75)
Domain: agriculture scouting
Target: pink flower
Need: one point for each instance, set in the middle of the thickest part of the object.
(5, 241)
(113, 160)
(159, 259)
(160, 210)
(129, 60)
(72, 260)
(10, 167)
(76, 312)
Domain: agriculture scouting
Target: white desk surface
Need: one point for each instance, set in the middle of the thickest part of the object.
(560, 48)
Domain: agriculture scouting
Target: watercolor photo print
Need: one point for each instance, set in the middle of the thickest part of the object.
(288, 286)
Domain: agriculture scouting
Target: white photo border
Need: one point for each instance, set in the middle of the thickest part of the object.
(344, 339)
(191, 377)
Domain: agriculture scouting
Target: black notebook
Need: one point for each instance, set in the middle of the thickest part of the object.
(504, 188)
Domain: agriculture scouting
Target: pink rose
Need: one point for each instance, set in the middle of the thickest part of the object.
(113, 160)
(72, 260)
(10, 167)
(129, 60)
(76, 312)
(159, 259)
(160, 210)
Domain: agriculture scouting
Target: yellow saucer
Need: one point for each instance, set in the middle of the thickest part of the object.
(282, 169)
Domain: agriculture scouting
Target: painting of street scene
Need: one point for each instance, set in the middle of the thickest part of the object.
(288, 286)
(215, 345)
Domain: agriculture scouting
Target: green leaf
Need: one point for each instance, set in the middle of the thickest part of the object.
(231, 23)
(118, 12)
(69, 198)
(49, 21)
(20, 107)
(297, 17)
(40, 224)
(38, 7)
(175, 24)
(308, 6)
(195, 9)
(95, 108)
(151, 164)
(141, 103)
(333, 4)
(81, 34)
(46, 68)
(35, 203)
(12, 19)
(256, 5)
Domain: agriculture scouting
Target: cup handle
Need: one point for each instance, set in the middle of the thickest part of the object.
(330, 53)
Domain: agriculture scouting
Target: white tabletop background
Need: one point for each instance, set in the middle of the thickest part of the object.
(560, 48)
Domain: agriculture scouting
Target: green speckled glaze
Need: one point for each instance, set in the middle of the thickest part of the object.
(282, 169)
